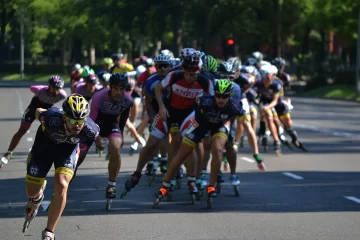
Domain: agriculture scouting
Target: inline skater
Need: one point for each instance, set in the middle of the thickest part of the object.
(45, 97)
(57, 142)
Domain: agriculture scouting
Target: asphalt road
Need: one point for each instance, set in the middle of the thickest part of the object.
(313, 195)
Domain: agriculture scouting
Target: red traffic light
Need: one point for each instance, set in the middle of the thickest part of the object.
(230, 42)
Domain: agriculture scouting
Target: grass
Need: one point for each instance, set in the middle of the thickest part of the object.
(27, 77)
(346, 92)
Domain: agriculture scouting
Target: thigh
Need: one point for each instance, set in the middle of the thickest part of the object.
(39, 162)
(65, 162)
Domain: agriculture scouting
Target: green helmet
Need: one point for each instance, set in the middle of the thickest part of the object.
(223, 86)
(211, 64)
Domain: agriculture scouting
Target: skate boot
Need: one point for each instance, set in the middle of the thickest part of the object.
(259, 161)
(161, 193)
(211, 193)
(131, 183)
(277, 147)
(46, 235)
(5, 159)
(110, 195)
(31, 210)
(235, 182)
(200, 188)
(192, 189)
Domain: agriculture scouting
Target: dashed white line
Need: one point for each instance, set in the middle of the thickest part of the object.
(294, 176)
(328, 131)
(248, 159)
(21, 106)
(29, 139)
(354, 199)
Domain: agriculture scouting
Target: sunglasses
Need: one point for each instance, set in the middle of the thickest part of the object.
(221, 75)
(223, 96)
(162, 65)
(76, 121)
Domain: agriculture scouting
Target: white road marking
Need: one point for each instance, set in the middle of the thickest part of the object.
(354, 199)
(248, 159)
(294, 176)
(29, 139)
(328, 131)
(21, 105)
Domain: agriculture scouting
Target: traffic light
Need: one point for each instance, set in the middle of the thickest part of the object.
(230, 41)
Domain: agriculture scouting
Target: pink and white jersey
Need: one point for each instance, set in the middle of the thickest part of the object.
(81, 89)
(105, 111)
(42, 96)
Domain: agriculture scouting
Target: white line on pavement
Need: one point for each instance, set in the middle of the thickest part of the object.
(328, 131)
(21, 106)
(294, 176)
(248, 159)
(354, 199)
(29, 139)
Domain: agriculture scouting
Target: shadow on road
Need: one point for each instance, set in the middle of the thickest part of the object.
(259, 192)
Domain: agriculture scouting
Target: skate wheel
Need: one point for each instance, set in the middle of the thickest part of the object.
(169, 196)
(156, 202)
(218, 188)
(108, 203)
(26, 226)
(178, 183)
(236, 190)
(209, 203)
(193, 198)
(123, 194)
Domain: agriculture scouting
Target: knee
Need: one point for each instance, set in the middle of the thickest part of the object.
(61, 185)
(216, 151)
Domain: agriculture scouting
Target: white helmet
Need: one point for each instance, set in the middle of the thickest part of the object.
(139, 70)
(163, 58)
(258, 56)
(266, 70)
(186, 52)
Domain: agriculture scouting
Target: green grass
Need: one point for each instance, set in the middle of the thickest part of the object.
(334, 91)
(27, 77)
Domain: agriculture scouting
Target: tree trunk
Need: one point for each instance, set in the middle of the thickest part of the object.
(92, 55)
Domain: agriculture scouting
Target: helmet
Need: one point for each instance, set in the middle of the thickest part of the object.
(223, 86)
(117, 56)
(91, 78)
(226, 67)
(108, 61)
(104, 76)
(258, 56)
(203, 58)
(163, 58)
(279, 62)
(167, 53)
(266, 70)
(211, 64)
(176, 61)
(86, 71)
(139, 70)
(119, 79)
(248, 69)
(251, 62)
(56, 82)
(192, 62)
(76, 67)
(149, 62)
(76, 107)
(236, 62)
(186, 52)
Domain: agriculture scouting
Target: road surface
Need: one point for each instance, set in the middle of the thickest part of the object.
(313, 195)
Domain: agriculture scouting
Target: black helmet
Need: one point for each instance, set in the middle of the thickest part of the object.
(76, 107)
(119, 79)
(91, 78)
(251, 62)
(117, 56)
(226, 67)
(56, 82)
(279, 62)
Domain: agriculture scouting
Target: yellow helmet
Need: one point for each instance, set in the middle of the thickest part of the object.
(75, 106)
